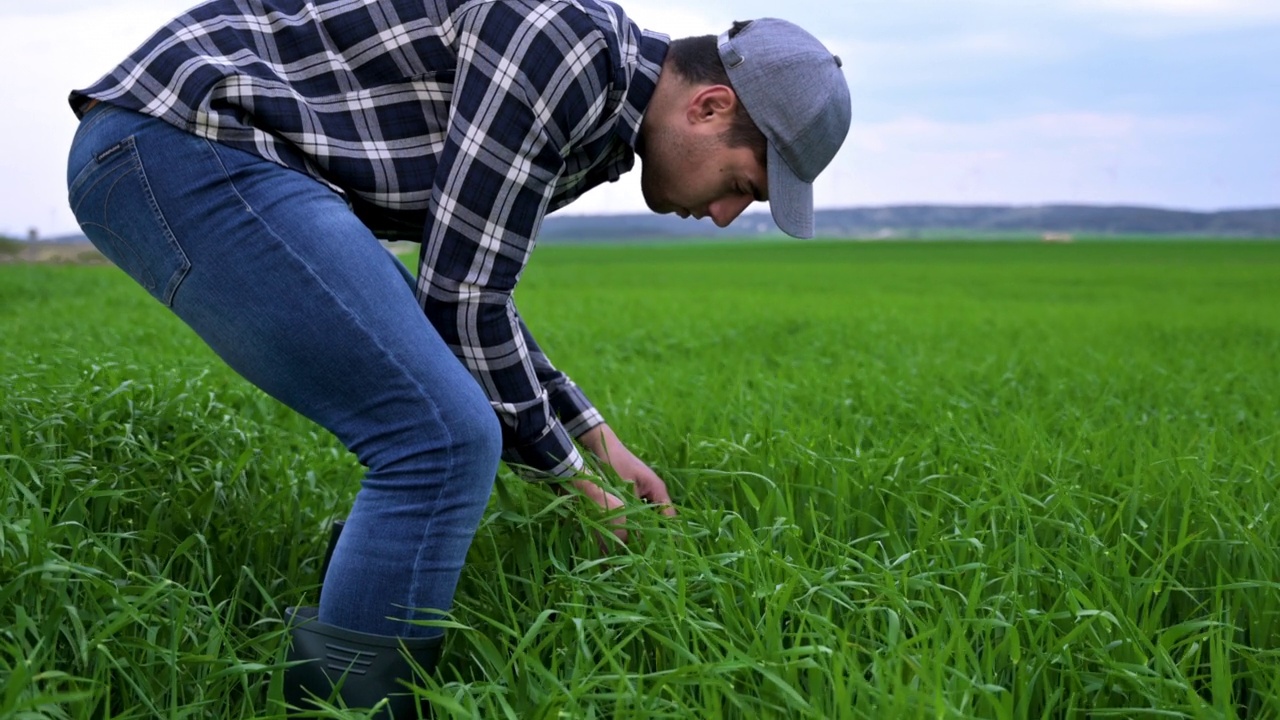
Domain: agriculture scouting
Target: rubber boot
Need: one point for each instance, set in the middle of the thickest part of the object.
(363, 668)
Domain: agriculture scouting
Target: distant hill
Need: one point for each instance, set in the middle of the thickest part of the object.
(906, 221)
(917, 221)
(72, 239)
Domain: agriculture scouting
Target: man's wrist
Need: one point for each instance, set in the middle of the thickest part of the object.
(581, 423)
(600, 440)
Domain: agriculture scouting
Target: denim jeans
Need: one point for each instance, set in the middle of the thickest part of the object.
(275, 273)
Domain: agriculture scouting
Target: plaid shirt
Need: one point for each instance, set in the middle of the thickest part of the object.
(457, 123)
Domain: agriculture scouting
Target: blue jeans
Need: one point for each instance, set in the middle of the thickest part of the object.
(275, 273)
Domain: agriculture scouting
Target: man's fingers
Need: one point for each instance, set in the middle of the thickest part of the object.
(659, 496)
(645, 483)
(655, 491)
(609, 502)
(620, 532)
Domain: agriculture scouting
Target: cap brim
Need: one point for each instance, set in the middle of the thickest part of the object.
(790, 198)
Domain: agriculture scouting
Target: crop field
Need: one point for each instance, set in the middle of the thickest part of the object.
(915, 480)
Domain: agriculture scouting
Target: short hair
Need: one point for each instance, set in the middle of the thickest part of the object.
(697, 59)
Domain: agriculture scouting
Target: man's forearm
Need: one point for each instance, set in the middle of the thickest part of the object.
(600, 440)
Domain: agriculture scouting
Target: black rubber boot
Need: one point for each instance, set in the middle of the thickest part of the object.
(364, 668)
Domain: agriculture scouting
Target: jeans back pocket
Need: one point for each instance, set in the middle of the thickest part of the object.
(113, 202)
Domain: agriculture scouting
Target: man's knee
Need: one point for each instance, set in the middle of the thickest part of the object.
(452, 433)
(476, 433)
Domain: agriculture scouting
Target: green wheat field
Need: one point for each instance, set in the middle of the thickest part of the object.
(915, 480)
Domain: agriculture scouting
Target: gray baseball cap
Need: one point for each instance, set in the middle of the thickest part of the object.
(794, 90)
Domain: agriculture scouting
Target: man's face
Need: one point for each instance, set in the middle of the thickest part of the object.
(689, 170)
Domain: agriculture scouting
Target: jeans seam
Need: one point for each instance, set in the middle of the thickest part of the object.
(86, 175)
(104, 110)
(375, 341)
(174, 281)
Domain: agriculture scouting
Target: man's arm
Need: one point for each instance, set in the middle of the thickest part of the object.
(570, 404)
(585, 423)
(525, 91)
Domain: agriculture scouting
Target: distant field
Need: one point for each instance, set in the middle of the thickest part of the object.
(916, 480)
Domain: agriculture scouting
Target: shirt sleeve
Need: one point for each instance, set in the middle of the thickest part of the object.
(530, 82)
(571, 406)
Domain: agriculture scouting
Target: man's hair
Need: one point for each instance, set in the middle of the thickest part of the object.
(697, 60)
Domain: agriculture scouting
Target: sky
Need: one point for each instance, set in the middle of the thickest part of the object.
(1167, 103)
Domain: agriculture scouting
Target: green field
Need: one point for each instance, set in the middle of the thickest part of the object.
(933, 480)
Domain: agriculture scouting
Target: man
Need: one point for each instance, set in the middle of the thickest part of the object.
(242, 163)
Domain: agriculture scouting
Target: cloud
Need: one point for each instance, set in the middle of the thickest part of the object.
(1240, 10)
(45, 56)
(1080, 156)
(1179, 18)
(1041, 129)
(143, 11)
(677, 19)
(1077, 156)
(1159, 101)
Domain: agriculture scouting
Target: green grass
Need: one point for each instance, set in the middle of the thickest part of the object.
(916, 480)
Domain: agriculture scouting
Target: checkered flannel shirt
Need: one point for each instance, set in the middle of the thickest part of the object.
(457, 123)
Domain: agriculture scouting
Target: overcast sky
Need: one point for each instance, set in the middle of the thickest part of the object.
(1173, 103)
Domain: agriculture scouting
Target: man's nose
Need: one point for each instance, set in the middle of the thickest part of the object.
(726, 210)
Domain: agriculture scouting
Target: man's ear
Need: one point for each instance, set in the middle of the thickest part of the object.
(712, 104)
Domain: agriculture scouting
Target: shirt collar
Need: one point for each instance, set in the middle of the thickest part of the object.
(644, 79)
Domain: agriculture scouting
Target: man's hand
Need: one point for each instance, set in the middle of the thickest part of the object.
(607, 502)
(604, 444)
